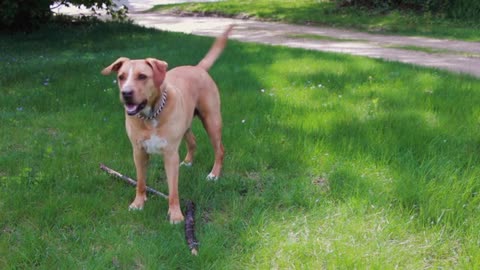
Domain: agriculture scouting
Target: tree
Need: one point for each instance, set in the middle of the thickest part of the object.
(24, 15)
(466, 10)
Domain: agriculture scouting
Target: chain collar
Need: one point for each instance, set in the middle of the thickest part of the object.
(154, 115)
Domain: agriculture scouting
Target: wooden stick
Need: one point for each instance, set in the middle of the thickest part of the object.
(129, 180)
(189, 212)
(190, 228)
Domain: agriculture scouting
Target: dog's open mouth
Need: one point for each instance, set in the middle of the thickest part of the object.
(133, 109)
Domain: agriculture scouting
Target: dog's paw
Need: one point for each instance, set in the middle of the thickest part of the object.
(138, 203)
(134, 207)
(212, 177)
(186, 164)
(176, 217)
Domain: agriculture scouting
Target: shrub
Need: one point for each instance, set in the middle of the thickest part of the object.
(456, 9)
(24, 15)
(463, 9)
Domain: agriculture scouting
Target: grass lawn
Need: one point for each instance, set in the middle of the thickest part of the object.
(332, 161)
(327, 13)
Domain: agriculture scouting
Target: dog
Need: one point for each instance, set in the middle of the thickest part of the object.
(159, 109)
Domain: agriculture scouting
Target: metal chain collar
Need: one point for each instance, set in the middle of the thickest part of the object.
(158, 111)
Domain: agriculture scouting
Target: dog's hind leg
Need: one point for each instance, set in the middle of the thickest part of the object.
(213, 126)
(191, 146)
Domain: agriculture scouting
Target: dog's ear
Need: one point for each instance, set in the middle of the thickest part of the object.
(115, 66)
(159, 70)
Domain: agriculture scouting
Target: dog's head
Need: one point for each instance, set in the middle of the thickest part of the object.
(139, 82)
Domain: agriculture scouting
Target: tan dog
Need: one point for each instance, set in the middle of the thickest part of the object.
(159, 108)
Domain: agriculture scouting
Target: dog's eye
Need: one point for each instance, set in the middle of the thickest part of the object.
(142, 76)
(121, 77)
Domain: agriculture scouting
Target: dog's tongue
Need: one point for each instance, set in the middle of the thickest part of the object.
(131, 108)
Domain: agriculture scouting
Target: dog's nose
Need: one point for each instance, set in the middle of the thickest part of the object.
(127, 94)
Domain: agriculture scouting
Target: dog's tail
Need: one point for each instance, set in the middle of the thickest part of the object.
(216, 49)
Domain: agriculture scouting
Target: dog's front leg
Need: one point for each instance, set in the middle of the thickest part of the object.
(140, 158)
(172, 160)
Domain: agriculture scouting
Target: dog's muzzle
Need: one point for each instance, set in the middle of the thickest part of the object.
(131, 107)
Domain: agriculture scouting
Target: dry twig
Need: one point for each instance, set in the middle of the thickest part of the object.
(190, 227)
(129, 180)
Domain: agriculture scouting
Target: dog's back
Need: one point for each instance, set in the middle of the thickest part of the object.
(195, 81)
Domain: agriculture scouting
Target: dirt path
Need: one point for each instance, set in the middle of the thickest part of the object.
(456, 56)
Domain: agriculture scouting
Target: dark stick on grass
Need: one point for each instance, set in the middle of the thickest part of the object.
(190, 227)
(189, 212)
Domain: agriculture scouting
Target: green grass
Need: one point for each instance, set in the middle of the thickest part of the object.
(322, 37)
(423, 49)
(393, 46)
(431, 50)
(327, 13)
(332, 161)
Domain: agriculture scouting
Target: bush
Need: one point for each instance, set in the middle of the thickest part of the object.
(456, 9)
(25, 15)
(464, 9)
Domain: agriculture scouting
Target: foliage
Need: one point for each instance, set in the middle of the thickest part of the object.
(29, 14)
(23, 14)
(457, 9)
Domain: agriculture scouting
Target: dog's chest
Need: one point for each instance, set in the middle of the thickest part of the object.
(154, 144)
